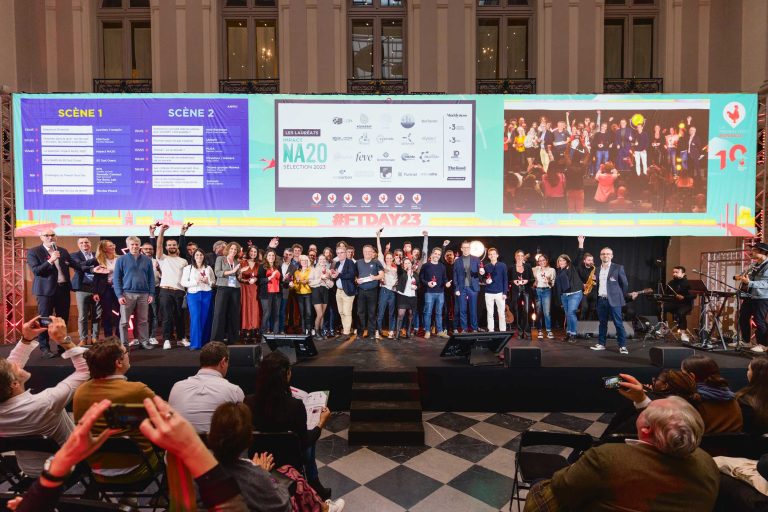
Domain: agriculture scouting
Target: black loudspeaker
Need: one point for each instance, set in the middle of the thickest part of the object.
(589, 328)
(294, 346)
(244, 355)
(669, 357)
(479, 348)
(522, 357)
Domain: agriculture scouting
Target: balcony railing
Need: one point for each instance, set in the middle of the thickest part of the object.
(506, 86)
(630, 85)
(250, 86)
(122, 85)
(356, 86)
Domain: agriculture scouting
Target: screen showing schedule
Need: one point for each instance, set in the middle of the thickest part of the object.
(135, 153)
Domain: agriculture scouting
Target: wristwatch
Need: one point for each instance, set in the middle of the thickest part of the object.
(54, 478)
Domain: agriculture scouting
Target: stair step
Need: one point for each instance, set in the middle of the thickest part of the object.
(396, 433)
(389, 391)
(385, 411)
(384, 376)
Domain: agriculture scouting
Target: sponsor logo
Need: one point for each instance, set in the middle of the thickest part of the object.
(407, 121)
(428, 121)
(406, 157)
(383, 138)
(337, 138)
(385, 157)
(383, 198)
(454, 140)
(456, 154)
(364, 139)
(416, 198)
(342, 171)
(406, 140)
(363, 157)
(734, 114)
(399, 198)
(364, 122)
(316, 197)
(331, 198)
(461, 168)
(426, 156)
(337, 120)
(347, 198)
(429, 138)
(385, 173)
(366, 198)
(456, 114)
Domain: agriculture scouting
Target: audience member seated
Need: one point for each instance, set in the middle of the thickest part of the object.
(230, 436)
(275, 410)
(197, 397)
(667, 383)
(621, 203)
(663, 470)
(170, 431)
(23, 413)
(713, 398)
(108, 363)
(753, 399)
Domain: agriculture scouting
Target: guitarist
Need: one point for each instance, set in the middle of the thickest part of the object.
(756, 284)
(683, 299)
(586, 270)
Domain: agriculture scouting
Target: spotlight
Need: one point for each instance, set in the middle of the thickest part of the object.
(477, 248)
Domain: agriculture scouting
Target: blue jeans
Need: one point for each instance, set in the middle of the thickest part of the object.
(386, 300)
(330, 312)
(281, 317)
(433, 300)
(604, 312)
(600, 158)
(310, 464)
(543, 305)
(467, 301)
(571, 305)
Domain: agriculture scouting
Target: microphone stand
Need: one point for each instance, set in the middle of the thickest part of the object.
(739, 294)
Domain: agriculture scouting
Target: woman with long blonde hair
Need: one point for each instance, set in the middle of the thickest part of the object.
(105, 294)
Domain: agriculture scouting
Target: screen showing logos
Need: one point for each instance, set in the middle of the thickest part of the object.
(375, 155)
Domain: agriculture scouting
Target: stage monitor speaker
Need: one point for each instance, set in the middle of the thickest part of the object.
(589, 328)
(522, 357)
(295, 346)
(669, 357)
(244, 355)
(480, 348)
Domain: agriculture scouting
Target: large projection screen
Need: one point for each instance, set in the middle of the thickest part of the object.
(331, 165)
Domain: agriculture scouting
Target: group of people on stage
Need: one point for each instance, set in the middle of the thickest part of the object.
(551, 167)
(234, 294)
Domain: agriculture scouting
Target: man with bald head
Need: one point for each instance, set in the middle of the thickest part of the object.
(664, 469)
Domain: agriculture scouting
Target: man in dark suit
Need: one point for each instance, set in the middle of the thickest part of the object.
(611, 287)
(50, 266)
(692, 152)
(466, 279)
(83, 262)
(345, 272)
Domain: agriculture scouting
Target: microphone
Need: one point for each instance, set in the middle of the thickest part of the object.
(53, 246)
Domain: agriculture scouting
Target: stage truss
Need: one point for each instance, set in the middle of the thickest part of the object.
(12, 251)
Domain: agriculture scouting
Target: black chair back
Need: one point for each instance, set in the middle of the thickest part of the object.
(579, 442)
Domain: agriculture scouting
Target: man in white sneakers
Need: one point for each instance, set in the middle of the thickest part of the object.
(171, 294)
(612, 287)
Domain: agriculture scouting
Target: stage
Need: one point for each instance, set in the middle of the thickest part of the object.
(569, 378)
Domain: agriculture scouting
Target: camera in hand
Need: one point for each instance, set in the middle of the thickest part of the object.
(44, 321)
(125, 416)
(612, 382)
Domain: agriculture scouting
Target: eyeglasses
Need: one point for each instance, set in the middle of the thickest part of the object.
(49, 234)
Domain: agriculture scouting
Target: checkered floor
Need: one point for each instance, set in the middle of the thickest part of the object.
(466, 465)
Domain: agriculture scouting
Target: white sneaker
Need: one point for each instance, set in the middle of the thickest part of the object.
(427, 335)
(684, 337)
(540, 335)
(734, 344)
(391, 335)
(598, 347)
(759, 349)
(133, 343)
(623, 350)
(378, 335)
(184, 342)
(550, 335)
(153, 341)
(167, 345)
(336, 505)
(443, 334)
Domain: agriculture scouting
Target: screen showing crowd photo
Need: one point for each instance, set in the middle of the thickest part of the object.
(612, 160)
(340, 165)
